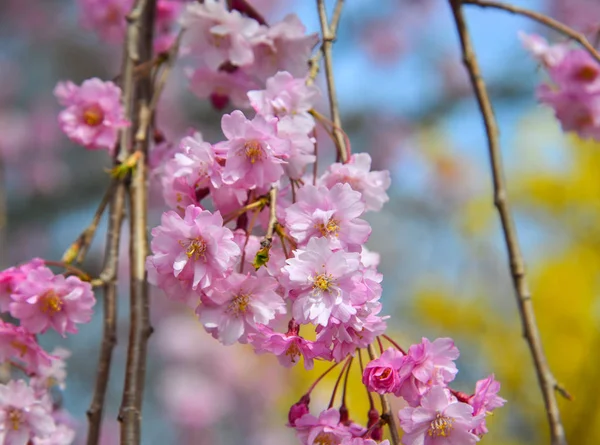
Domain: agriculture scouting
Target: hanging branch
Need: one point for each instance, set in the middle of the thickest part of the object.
(3, 216)
(531, 333)
(543, 19)
(328, 38)
(386, 409)
(139, 51)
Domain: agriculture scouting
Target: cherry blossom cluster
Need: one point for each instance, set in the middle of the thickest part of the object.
(40, 300)
(574, 88)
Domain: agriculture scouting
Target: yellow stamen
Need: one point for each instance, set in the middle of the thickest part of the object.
(440, 426)
(93, 115)
(323, 282)
(239, 305)
(195, 248)
(51, 302)
(22, 348)
(253, 151)
(293, 352)
(15, 418)
(324, 438)
(331, 228)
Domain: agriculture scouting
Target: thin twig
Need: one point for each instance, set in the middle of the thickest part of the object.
(531, 333)
(272, 215)
(328, 38)
(140, 37)
(333, 26)
(540, 18)
(164, 75)
(3, 217)
(386, 408)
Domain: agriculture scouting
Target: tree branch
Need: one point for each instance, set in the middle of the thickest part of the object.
(328, 38)
(386, 408)
(540, 18)
(546, 380)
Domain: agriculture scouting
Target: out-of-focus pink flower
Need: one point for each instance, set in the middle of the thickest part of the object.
(94, 112)
(21, 346)
(324, 429)
(62, 435)
(357, 172)
(322, 280)
(106, 17)
(167, 13)
(548, 55)
(284, 46)
(286, 96)
(222, 87)
(195, 249)
(254, 150)
(23, 416)
(237, 305)
(362, 441)
(11, 277)
(485, 400)
(219, 35)
(329, 213)
(53, 373)
(44, 300)
(302, 151)
(440, 419)
(381, 375)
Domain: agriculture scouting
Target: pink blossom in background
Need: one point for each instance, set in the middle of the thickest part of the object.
(195, 248)
(219, 35)
(541, 50)
(222, 87)
(11, 277)
(440, 419)
(167, 15)
(62, 435)
(381, 375)
(237, 305)
(53, 373)
(329, 213)
(357, 172)
(286, 96)
(254, 152)
(485, 400)
(44, 300)
(326, 428)
(583, 15)
(19, 345)
(94, 112)
(105, 17)
(302, 151)
(322, 280)
(23, 416)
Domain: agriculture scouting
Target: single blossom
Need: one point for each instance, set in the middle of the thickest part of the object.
(440, 419)
(254, 152)
(23, 416)
(62, 435)
(357, 172)
(381, 375)
(20, 345)
(94, 112)
(11, 277)
(222, 87)
(485, 400)
(329, 213)
(44, 300)
(105, 17)
(53, 373)
(302, 152)
(237, 305)
(195, 248)
(322, 281)
(324, 429)
(541, 50)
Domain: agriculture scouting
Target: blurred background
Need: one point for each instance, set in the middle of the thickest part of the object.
(405, 99)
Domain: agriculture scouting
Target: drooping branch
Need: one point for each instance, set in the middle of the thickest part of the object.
(328, 38)
(387, 415)
(3, 217)
(543, 19)
(139, 51)
(531, 333)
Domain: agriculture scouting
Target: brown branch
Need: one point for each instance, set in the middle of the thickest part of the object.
(386, 409)
(313, 63)
(140, 35)
(546, 380)
(328, 38)
(540, 18)
(3, 217)
(272, 215)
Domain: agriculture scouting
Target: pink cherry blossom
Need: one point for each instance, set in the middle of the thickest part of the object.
(219, 35)
(485, 400)
(298, 410)
(284, 46)
(236, 306)
(44, 300)
(21, 346)
(254, 151)
(362, 441)
(322, 281)
(11, 277)
(53, 373)
(94, 112)
(23, 416)
(286, 96)
(222, 87)
(62, 435)
(330, 213)
(357, 172)
(440, 419)
(106, 17)
(195, 248)
(289, 347)
(302, 151)
(324, 429)
(548, 55)
(425, 365)
(381, 375)
(167, 13)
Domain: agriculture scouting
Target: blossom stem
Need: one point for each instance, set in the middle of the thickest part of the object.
(74, 270)
(362, 371)
(386, 408)
(388, 338)
(259, 203)
(380, 345)
(316, 382)
(346, 381)
(531, 333)
(337, 383)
